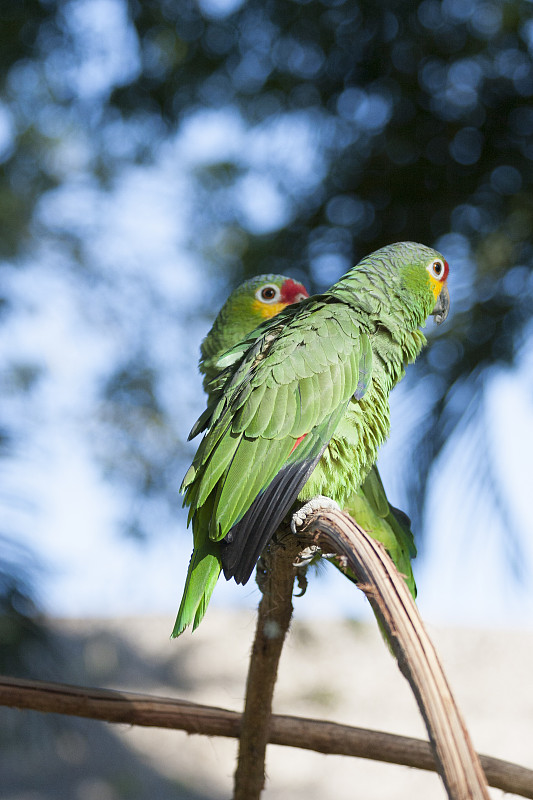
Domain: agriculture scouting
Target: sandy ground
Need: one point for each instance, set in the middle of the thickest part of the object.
(334, 670)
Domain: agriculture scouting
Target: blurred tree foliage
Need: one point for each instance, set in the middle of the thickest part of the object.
(21, 632)
(355, 123)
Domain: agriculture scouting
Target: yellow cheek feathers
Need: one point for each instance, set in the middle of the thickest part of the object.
(267, 310)
(436, 286)
(437, 283)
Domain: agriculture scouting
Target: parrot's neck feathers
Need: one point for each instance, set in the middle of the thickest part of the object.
(379, 298)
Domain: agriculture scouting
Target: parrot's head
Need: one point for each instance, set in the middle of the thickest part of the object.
(425, 277)
(250, 304)
(265, 296)
(416, 274)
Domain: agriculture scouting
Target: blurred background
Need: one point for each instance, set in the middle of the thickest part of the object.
(153, 155)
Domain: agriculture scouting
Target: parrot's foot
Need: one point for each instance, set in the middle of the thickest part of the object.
(301, 580)
(307, 555)
(316, 503)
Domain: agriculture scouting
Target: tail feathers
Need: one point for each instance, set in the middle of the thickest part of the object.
(405, 526)
(204, 569)
(374, 492)
(391, 529)
(402, 548)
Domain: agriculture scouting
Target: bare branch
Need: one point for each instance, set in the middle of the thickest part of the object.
(323, 737)
(276, 575)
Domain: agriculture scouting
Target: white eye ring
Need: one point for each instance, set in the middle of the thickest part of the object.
(299, 297)
(269, 293)
(436, 269)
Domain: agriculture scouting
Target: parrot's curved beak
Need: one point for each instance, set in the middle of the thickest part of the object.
(442, 306)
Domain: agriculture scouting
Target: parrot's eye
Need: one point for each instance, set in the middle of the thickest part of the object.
(268, 294)
(299, 297)
(438, 269)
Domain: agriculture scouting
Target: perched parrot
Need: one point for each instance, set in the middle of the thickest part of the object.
(299, 408)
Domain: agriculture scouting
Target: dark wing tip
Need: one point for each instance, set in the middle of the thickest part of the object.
(401, 517)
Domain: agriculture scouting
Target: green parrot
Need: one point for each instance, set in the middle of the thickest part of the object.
(298, 409)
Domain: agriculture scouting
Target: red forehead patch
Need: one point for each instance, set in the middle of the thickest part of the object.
(292, 291)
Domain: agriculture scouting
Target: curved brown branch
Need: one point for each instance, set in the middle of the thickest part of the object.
(322, 737)
(457, 761)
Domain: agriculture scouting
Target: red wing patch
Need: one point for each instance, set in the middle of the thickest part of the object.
(297, 442)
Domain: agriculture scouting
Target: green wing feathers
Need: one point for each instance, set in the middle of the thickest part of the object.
(276, 396)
